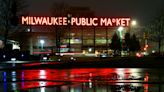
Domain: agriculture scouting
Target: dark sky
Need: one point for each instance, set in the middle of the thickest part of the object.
(141, 10)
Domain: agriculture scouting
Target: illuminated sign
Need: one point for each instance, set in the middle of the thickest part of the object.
(75, 21)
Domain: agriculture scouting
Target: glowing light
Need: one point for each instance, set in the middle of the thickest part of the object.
(153, 51)
(42, 74)
(133, 23)
(138, 54)
(44, 58)
(146, 46)
(42, 41)
(4, 56)
(90, 49)
(13, 59)
(42, 89)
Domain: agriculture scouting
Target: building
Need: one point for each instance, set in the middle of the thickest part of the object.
(67, 39)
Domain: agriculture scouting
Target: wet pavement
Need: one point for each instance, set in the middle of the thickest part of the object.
(82, 80)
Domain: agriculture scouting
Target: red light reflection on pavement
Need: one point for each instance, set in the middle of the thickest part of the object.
(146, 86)
(51, 77)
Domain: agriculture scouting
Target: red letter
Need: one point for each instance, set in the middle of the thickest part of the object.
(83, 21)
(73, 20)
(38, 20)
(32, 21)
(55, 21)
(94, 23)
(60, 20)
(80, 20)
(103, 21)
(49, 21)
(44, 21)
(118, 22)
(109, 22)
(25, 20)
(64, 20)
(123, 22)
(127, 21)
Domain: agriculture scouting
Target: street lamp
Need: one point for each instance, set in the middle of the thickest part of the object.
(42, 43)
(133, 23)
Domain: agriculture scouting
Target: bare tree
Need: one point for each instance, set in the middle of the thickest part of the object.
(156, 30)
(59, 10)
(10, 11)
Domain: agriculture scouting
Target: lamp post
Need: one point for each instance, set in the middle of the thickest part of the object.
(69, 16)
(42, 44)
(132, 25)
(120, 29)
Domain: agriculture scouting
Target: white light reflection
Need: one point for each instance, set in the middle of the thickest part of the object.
(120, 72)
(42, 84)
(42, 74)
(134, 70)
(13, 74)
(14, 86)
(135, 73)
(72, 90)
(42, 89)
(90, 83)
(13, 77)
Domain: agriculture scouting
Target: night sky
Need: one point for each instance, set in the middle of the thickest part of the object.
(141, 10)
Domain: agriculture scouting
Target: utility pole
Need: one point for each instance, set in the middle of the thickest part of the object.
(94, 39)
(107, 39)
(69, 16)
(81, 38)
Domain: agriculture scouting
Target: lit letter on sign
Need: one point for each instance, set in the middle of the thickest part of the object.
(25, 20)
(75, 21)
